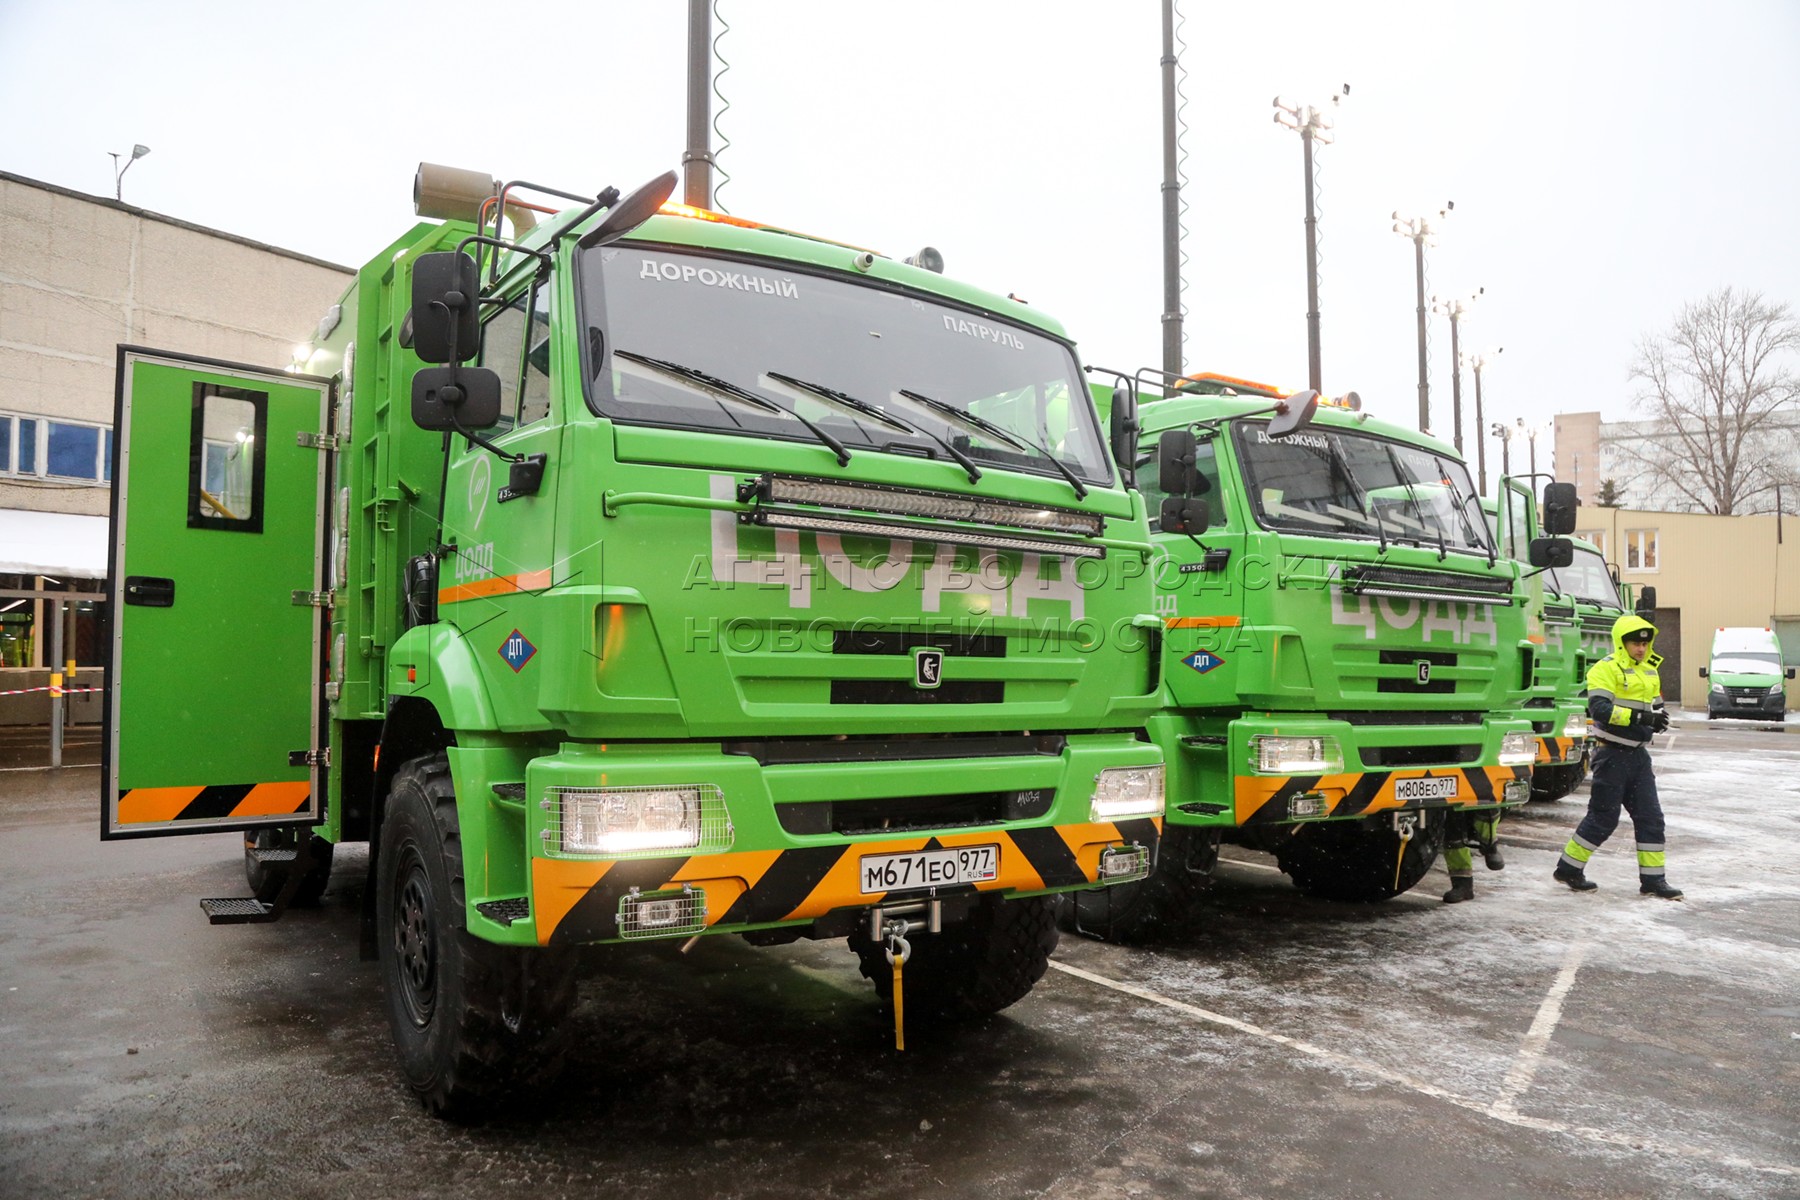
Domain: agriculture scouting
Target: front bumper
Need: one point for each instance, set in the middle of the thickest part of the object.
(760, 873)
(1212, 781)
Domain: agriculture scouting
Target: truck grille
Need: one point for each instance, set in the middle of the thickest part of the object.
(1391, 757)
(1410, 685)
(899, 813)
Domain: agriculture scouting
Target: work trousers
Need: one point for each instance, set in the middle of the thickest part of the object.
(1483, 826)
(1622, 779)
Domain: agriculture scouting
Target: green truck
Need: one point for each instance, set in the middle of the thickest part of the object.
(637, 573)
(1348, 655)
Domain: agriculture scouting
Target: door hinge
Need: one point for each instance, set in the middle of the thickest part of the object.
(318, 441)
(306, 599)
(310, 758)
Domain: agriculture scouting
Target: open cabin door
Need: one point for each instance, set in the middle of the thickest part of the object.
(213, 667)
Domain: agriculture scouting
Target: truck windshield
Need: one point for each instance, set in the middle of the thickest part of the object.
(1586, 579)
(701, 338)
(1333, 483)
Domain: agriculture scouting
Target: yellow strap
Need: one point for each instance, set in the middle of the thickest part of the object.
(899, 1007)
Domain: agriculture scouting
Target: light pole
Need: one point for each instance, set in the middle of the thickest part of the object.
(1504, 432)
(1480, 364)
(1312, 126)
(1422, 232)
(1456, 309)
(138, 151)
(1171, 200)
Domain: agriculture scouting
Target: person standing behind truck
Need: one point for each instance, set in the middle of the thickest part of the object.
(1625, 705)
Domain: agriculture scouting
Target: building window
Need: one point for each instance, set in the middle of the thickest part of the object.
(1596, 536)
(38, 448)
(1640, 549)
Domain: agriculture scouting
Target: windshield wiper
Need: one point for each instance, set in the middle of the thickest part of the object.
(1412, 497)
(983, 425)
(742, 395)
(1461, 503)
(1362, 497)
(863, 406)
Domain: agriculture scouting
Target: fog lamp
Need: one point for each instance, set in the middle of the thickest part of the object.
(1306, 806)
(1125, 862)
(1127, 792)
(1516, 791)
(1298, 755)
(1575, 726)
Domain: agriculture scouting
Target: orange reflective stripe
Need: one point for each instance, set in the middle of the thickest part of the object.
(142, 806)
(1202, 622)
(268, 799)
(501, 585)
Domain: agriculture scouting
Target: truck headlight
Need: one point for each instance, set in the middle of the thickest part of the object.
(1719, 688)
(1575, 726)
(1298, 755)
(1778, 689)
(1517, 750)
(637, 821)
(1127, 792)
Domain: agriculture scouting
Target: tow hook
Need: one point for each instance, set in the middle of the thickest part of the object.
(1405, 824)
(888, 927)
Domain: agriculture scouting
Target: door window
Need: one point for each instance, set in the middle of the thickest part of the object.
(225, 458)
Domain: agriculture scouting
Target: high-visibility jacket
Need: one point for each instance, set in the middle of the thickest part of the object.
(1622, 694)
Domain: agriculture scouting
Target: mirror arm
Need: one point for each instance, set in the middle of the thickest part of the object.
(483, 240)
(604, 200)
(478, 440)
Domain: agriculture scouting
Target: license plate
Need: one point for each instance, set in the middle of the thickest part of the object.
(1746, 700)
(930, 868)
(1443, 788)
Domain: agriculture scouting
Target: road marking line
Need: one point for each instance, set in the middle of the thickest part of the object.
(1482, 1107)
(1537, 1038)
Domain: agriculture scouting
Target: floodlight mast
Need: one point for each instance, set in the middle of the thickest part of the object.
(1422, 231)
(697, 159)
(1456, 309)
(1171, 203)
(1313, 126)
(1480, 363)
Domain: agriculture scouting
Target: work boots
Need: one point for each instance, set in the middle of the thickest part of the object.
(1490, 854)
(1462, 888)
(1656, 885)
(1575, 878)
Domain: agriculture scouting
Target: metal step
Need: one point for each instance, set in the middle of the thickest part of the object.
(238, 910)
(273, 854)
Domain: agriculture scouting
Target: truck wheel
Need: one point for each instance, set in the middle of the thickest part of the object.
(265, 879)
(1553, 783)
(1354, 861)
(471, 1020)
(970, 970)
(1164, 904)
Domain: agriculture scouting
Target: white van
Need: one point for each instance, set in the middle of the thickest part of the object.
(1747, 675)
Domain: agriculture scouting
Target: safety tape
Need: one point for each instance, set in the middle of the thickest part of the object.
(60, 691)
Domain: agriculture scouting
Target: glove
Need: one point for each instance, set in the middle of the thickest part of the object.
(1659, 717)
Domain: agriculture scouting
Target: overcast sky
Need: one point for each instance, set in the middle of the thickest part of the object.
(1608, 161)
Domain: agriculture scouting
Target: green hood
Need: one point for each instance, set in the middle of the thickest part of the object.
(1630, 623)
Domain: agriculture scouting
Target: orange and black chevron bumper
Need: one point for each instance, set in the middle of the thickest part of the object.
(1271, 799)
(210, 804)
(1555, 751)
(575, 902)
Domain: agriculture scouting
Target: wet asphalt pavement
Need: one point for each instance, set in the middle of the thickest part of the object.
(1535, 1042)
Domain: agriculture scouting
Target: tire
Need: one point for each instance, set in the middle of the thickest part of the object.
(471, 1020)
(971, 970)
(1553, 783)
(265, 881)
(1164, 904)
(1353, 861)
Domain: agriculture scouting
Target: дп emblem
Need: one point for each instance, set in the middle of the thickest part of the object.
(928, 666)
(517, 650)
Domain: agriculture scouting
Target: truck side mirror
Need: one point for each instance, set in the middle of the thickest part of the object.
(459, 398)
(1124, 423)
(1704, 672)
(1177, 453)
(630, 212)
(446, 323)
(1296, 413)
(1646, 601)
(1560, 503)
(1551, 552)
(1790, 672)
(1185, 514)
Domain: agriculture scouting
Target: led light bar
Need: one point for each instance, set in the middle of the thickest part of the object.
(942, 506)
(784, 518)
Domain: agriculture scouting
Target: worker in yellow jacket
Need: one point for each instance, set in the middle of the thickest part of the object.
(1625, 708)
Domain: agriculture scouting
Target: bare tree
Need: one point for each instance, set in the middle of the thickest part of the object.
(1719, 387)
